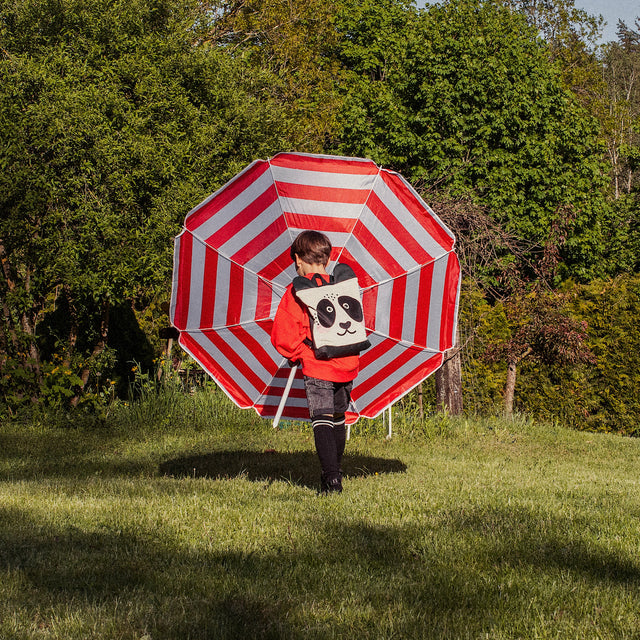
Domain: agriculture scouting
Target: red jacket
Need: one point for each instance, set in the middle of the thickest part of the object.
(291, 327)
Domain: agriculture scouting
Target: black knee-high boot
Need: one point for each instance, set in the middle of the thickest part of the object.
(324, 437)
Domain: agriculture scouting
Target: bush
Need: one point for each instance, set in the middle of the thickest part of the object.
(599, 397)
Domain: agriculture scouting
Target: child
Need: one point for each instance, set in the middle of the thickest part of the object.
(328, 383)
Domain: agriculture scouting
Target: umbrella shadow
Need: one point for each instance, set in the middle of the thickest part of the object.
(298, 467)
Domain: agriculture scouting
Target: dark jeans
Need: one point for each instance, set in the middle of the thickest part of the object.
(327, 398)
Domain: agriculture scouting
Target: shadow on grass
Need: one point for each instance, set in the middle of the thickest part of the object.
(380, 584)
(520, 536)
(298, 467)
(67, 453)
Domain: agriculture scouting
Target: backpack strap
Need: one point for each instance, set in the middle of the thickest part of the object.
(316, 280)
(341, 272)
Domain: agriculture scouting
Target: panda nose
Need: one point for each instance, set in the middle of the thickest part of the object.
(345, 325)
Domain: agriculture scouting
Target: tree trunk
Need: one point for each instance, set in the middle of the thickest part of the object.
(510, 385)
(5, 332)
(8, 333)
(97, 349)
(28, 326)
(73, 327)
(510, 388)
(449, 383)
(27, 320)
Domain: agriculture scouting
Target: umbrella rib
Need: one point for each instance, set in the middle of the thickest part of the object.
(232, 261)
(409, 271)
(227, 326)
(364, 204)
(275, 185)
(404, 343)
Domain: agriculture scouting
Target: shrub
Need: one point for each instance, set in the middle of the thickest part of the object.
(602, 396)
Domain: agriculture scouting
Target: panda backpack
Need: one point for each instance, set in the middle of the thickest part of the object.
(335, 313)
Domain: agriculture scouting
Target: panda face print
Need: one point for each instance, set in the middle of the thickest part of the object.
(336, 313)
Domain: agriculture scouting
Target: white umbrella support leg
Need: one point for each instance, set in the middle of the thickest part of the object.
(387, 419)
(285, 395)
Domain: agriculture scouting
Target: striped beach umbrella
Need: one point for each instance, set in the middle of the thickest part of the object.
(232, 266)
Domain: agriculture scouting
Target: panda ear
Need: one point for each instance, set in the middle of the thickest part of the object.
(343, 272)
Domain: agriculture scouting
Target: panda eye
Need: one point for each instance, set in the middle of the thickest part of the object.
(352, 307)
(326, 313)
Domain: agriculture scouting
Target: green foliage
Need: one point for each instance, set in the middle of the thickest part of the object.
(294, 43)
(373, 48)
(116, 118)
(19, 384)
(464, 96)
(25, 391)
(611, 310)
(620, 109)
(622, 234)
(482, 326)
(572, 37)
(600, 395)
(125, 121)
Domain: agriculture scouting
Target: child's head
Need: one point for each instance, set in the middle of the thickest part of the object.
(312, 247)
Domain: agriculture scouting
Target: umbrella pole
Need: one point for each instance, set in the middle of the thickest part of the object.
(388, 421)
(285, 395)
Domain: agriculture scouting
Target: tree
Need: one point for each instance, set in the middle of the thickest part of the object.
(537, 317)
(463, 95)
(294, 41)
(540, 328)
(487, 254)
(463, 98)
(572, 35)
(617, 108)
(621, 74)
(115, 119)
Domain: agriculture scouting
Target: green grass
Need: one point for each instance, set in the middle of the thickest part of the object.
(181, 517)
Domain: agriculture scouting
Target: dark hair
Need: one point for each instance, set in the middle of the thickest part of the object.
(312, 247)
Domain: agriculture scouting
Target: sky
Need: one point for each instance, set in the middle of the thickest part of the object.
(612, 11)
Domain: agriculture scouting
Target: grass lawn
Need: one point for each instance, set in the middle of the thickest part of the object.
(186, 518)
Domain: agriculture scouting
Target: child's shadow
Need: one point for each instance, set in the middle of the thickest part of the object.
(299, 467)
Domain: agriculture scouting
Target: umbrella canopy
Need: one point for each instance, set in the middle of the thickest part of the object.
(232, 266)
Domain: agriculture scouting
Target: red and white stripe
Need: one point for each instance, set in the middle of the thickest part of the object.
(232, 265)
